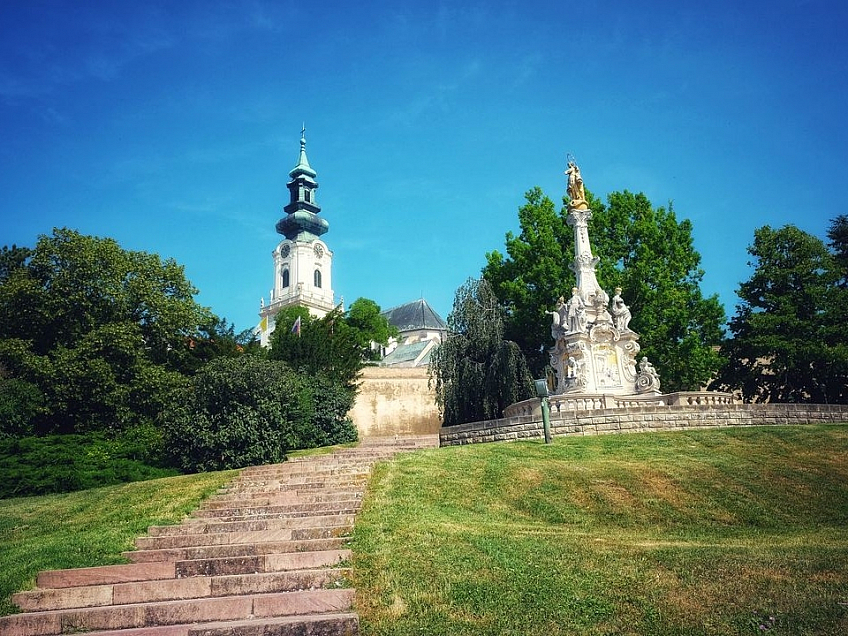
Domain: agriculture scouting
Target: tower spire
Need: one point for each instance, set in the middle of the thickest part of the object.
(301, 221)
(303, 166)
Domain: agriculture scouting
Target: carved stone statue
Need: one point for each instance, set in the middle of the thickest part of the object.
(572, 368)
(600, 300)
(648, 379)
(575, 312)
(620, 312)
(576, 191)
(557, 319)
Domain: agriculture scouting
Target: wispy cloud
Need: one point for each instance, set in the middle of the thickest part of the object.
(45, 49)
(436, 96)
(55, 50)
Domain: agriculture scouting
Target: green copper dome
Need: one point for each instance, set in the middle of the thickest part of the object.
(301, 222)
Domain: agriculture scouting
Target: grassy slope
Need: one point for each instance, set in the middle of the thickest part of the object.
(733, 531)
(90, 527)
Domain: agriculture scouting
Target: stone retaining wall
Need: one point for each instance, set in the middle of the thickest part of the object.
(395, 401)
(639, 419)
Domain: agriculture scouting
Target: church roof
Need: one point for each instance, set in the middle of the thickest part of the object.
(415, 315)
(406, 353)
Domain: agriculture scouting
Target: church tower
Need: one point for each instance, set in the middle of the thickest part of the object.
(303, 264)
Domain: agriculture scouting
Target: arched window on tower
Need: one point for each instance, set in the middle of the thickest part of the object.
(285, 277)
(318, 278)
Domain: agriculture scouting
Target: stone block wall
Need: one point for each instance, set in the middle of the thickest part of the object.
(395, 401)
(642, 419)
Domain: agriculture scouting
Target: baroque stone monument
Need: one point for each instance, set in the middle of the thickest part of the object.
(594, 348)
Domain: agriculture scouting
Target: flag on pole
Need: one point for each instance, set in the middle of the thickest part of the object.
(296, 326)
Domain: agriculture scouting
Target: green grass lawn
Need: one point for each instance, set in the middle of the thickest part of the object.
(708, 532)
(90, 527)
(735, 531)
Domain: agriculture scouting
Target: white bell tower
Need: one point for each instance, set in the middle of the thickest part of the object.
(303, 264)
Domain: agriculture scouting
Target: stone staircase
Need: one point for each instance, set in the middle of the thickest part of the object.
(264, 556)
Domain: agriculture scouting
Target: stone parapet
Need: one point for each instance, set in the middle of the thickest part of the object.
(684, 414)
(572, 402)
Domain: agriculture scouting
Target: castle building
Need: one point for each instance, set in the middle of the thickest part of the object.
(303, 263)
(420, 331)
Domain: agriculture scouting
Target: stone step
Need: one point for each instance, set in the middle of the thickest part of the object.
(235, 550)
(353, 499)
(258, 515)
(250, 536)
(161, 613)
(335, 470)
(326, 469)
(106, 574)
(158, 570)
(275, 479)
(335, 508)
(203, 526)
(178, 588)
(258, 497)
(280, 562)
(300, 484)
(280, 497)
(311, 625)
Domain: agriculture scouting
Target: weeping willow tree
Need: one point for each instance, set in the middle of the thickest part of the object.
(476, 373)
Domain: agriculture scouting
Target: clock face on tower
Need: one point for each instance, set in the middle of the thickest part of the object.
(319, 250)
(284, 250)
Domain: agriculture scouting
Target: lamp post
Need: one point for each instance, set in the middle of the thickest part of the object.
(542, 393)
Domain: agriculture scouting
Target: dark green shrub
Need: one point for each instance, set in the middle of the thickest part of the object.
(20, 403)
(237, 412)
(329, 423)
(64, 463)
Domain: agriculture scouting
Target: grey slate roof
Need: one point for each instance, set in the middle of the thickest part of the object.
(415, 315)
(405, 353)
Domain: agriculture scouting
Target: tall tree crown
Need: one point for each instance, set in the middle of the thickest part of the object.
(644, 250)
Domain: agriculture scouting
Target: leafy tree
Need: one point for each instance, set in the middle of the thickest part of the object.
(369, 326)
(11, 259)
(20, 404)
(644, 250)
(787, 343)
(72, 283)
(476, 373)
(838, 235)
(103, 332)
(650, 254)
(216, 338)
(327, 345)
(533, 275)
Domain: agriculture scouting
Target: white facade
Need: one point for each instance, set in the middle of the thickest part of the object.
(303, 276)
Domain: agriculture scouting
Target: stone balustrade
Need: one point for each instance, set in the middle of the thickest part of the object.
(566, 403)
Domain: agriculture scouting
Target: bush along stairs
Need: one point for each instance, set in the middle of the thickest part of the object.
(265, 556)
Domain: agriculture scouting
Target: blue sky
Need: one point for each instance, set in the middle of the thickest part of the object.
(172, 126)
